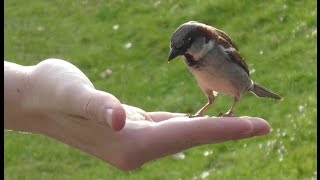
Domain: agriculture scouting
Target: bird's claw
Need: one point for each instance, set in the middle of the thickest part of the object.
(226, 114)
(194, 115)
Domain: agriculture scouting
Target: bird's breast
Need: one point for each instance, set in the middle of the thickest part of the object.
(221, 75)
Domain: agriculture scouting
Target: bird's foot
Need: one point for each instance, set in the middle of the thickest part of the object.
(227, 114)
(194, 115)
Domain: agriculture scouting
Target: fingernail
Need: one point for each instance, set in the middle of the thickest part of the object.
(260, 127)
(109, 117)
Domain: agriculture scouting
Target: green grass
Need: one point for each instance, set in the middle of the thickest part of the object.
(277, 38)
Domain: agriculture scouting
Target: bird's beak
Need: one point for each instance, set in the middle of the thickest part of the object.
(173, 54)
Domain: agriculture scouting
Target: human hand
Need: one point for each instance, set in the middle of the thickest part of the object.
(59, 101)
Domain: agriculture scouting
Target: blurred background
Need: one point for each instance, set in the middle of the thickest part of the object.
(122, 46)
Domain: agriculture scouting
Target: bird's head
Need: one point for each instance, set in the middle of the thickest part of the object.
(184, 37)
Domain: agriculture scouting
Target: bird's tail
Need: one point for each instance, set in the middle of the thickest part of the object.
(263, 92)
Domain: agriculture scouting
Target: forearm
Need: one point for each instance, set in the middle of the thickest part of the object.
(16, 84)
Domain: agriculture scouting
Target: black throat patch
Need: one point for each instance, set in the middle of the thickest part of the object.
(190, 61)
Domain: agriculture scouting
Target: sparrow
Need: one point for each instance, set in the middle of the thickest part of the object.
(215, 62)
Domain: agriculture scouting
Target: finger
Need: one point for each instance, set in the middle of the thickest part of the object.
(260, 126)
(177, 134)
(162, 115)
(134, 113)
(106, 109)
(214, 129)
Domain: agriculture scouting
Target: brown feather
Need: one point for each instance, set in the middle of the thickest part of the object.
(227, 38)
(235, 57)
(225, 41)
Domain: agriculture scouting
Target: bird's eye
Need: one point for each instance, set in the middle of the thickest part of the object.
(189, 42)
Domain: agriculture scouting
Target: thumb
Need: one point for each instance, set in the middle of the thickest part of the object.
(106, 109)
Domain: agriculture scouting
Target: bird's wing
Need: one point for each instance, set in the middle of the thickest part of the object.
(231, 49)
(226, 37)
(235, 57)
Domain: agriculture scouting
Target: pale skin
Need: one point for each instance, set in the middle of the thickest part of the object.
(55, 99)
